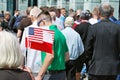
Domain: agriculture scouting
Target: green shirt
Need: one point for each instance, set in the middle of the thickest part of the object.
(60, 48)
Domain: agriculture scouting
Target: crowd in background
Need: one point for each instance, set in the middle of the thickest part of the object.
(85, 43)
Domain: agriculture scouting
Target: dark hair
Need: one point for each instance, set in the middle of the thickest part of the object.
(46, 13)
(16, 11)
(28, 10)
(52, 9)
(85, 15)
(57, 12)
(44, 8)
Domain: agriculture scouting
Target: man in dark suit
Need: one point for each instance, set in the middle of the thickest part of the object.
(103, 46)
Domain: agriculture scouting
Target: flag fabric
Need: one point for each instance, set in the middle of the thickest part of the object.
(40, 39)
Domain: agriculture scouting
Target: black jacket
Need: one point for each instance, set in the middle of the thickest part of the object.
(103, 45)
(14, 74)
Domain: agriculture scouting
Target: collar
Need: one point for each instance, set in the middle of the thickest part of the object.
(105, 20)
(34, 23)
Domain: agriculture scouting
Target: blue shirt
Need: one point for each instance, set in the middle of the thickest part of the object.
(74, 43)
(113, 19)
(62, 18)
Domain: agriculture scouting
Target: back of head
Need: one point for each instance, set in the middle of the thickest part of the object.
(69, 21)
(44, 16)
(85, 15)
(72, 14)
(10, 53)
(7, 13)
(58, 13)
(52, 12)
(44, 8)
(95, 11)
(105, 10)
(71, 10)
(28, 10)
(78, 12)
(35, 12)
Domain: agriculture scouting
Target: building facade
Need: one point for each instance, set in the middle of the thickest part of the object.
(11, 5)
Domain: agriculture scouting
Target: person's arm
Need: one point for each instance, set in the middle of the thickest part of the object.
(48, 60)
(89, 43)
(19, 32)
(66, 56)
(23, 43)
(0, 28)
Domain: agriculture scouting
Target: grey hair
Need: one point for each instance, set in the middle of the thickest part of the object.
(69, 21)
(10, 53)
(105, 10)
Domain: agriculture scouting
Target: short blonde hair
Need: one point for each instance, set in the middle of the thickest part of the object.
(10, 53)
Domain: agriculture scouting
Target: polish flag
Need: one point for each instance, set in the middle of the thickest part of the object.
(40, 39)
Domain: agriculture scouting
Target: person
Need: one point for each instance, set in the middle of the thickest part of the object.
(82, 29)
(2, 14)
(77, 20)
(26, 21)
(72, 14)
(103, 46)
(53, 65)
(75, 48)
(112, 18)
(71, 10)
(13, 20)
(58, 18)
(55, 19)
(63, 14)
(32, 56)
(11, 59)
(5, 22)
(95, 16)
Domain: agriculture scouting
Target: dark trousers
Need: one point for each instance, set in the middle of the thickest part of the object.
(55, 76)
(94, 77)
(71, 70)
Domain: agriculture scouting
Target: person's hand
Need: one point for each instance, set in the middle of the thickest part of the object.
(27, 69)
(24, 68)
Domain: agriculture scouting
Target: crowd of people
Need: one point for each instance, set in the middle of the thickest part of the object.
(85, 43)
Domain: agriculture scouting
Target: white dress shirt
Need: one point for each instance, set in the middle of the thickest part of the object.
(33, 57)
(74, 43)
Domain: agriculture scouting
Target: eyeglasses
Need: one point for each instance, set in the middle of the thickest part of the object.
(40, 21)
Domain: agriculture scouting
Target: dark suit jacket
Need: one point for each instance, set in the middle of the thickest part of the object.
(103, 44)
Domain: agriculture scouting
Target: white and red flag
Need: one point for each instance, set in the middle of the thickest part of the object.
(40, 39)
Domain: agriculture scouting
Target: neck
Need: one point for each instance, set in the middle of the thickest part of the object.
(48, 23)
(95, 17)
(102, 18)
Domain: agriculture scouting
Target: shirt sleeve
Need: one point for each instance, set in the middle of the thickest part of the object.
(22, 44)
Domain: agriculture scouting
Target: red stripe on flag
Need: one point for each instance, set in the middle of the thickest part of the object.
(26, 42)
(41, 46)
(35, 40)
